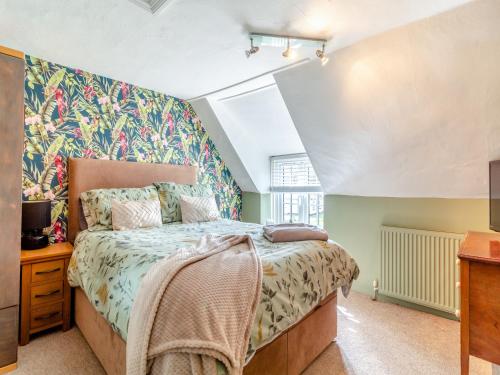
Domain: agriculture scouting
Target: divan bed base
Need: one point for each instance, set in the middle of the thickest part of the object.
(288, 354)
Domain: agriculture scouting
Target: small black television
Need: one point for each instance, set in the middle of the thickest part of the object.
(495, 195)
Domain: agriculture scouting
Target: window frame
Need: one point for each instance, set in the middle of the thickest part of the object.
(303, 195)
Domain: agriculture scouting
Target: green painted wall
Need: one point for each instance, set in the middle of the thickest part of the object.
(256, 208)
(354, 222)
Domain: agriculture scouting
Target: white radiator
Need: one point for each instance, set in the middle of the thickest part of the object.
(419, 266)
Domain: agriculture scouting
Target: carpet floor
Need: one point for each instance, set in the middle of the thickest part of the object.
(374, 338)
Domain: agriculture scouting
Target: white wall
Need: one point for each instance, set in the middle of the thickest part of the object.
(258, 126)
(414, 112)
(223, 144)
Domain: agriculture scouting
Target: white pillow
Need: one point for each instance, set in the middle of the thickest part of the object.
(198, 209)
(135, 214)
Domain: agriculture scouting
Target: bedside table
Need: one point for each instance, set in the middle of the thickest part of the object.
(45, 292)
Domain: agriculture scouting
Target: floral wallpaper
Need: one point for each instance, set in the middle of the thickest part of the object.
(69, 112)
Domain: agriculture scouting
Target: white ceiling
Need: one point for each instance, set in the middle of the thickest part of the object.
(414, 112)
(191, 47)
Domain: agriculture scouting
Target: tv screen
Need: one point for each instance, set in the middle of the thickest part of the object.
(495, 195)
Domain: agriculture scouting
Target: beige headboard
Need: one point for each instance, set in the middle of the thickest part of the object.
(87, 174)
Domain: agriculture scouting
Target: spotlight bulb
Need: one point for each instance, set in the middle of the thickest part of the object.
(322, 55)
(253, 49)
(288, 53)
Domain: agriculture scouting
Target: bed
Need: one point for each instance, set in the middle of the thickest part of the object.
(283, 342)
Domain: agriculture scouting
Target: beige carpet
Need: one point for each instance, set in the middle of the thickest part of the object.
(374, 338)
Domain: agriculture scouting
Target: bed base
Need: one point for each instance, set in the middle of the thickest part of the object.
(289, 354)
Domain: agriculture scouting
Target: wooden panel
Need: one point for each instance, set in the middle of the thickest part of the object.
(464, 317)
(270, 360)
(67, 299)
(45, 293)
(309, 338)
(8, 336)
(47, 271)
(11, 143)
(24, 331)
(484, 311)
(46, 315)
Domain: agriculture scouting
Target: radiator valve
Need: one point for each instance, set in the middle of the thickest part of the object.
(375, 290)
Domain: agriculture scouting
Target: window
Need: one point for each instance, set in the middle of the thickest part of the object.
(296, 191)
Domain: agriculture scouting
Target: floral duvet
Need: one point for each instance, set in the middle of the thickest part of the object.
(109, 266)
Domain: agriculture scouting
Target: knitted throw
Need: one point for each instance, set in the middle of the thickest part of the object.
(196, 307)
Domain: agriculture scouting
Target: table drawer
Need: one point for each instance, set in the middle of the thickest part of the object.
(46, 315)
(47, 271)
(45, 293)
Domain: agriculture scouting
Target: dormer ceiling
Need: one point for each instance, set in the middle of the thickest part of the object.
(191, 47)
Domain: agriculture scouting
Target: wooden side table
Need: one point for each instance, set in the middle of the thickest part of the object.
(45, 292)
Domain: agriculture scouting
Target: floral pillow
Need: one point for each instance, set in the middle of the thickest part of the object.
(170, 195)
(97, 203)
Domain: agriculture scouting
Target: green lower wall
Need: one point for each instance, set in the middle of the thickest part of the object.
(256, 208)
(354, 222)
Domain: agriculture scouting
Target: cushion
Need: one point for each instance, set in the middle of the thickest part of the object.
(135, 214)
(198, 209)
(81, 216)
(170, 193)
(97, 203)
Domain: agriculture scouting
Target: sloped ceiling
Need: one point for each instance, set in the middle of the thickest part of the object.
(259, 127)
(414, 112)
(195, 49)
(192, 47)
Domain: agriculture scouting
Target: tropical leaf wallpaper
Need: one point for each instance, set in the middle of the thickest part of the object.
(72, 113)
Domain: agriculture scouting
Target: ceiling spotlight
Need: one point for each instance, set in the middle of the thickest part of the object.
(253, 49)
(288, 53)
(322, 55)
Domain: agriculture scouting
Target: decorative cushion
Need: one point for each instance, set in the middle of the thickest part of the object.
(198, 209)
(135, 214)
(170, 194)
(81, 216)
(97, 203)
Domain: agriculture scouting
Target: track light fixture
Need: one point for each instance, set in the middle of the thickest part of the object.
(291, 43)
(322, 55)
(253, 49)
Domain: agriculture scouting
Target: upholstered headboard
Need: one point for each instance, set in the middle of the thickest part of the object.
(87, 174)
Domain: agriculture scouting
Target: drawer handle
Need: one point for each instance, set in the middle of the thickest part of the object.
(48, 271)
(47, 316)
(47, 294)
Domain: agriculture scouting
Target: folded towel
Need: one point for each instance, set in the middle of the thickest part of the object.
(294, 232)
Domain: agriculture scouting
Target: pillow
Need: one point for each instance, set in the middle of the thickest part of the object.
(135, 214)
(81, 216)
(198, 209)
(170, 194)
(97, 203)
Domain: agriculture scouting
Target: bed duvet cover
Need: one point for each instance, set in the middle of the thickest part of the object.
(109, 266)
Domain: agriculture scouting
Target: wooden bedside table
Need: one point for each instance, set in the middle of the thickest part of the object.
(45, 292)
